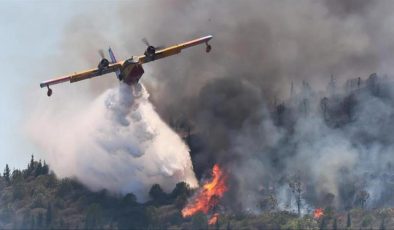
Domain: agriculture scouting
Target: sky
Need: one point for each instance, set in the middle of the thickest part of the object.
(30, 32)
(44, 39)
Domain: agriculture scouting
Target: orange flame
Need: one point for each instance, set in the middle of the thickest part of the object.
(208, 196)
(214, 219)
(318, 213)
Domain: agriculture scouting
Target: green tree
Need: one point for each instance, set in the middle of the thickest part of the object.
(180, 194)
(33, 222)
(153, 217)
(62, 224)
(323, 223)
(157, 194)
(383, 214)
(129, 200)
(51, 180)
(181, 189)
(30, 166)
(349, 220)
(45, 169)
(7, 174)
(94, 217)
(382, 225)
(65, 187)
(217, 224)
(6, 213)
(367, 221)
(49, 215)
(181, 201)
(228, 225)
(25, 220)
(335, 224)
(38, 170)
(40, 220)
(199, 221)
(17, 176)
(18, 191)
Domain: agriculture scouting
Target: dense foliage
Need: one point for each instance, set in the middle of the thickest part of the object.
(34, 198)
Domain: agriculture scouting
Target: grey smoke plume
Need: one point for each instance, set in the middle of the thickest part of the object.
(118, 143)
(233, 96)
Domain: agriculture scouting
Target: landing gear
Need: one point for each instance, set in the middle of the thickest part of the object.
(208, 47)
(49, 92)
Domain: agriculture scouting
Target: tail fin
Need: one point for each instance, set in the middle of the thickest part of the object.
(113, 60)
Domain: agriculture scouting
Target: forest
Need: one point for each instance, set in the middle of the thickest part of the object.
(281, 195)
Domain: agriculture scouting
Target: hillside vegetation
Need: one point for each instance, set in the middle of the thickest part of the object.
(34, 198)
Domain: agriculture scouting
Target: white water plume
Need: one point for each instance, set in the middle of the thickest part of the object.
(118, 143)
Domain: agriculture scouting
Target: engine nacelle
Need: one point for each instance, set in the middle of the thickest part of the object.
(150, 53)
(103, 63)
(150, 50)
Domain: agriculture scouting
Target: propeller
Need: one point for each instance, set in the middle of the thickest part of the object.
(150, 51)
(104, 62)
(101, 53)
(145, 41)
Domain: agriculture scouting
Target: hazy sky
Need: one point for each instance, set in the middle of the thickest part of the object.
(43, 40)
(30, 32)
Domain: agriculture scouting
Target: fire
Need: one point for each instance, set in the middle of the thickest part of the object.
(208, 196)
(214, 219)
(318, 213)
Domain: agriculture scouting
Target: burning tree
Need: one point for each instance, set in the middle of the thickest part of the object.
(318, 213)
(208, 196)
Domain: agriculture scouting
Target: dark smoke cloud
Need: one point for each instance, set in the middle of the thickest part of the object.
(232, 96)
(268, 43)
(346, 8)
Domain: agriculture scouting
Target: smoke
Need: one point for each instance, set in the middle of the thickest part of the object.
(255, 103)
(118, 143)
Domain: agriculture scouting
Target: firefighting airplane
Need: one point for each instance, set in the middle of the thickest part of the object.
(129, 71)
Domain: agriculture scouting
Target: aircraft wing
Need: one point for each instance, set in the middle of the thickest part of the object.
(83, 75)
(172, 50)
